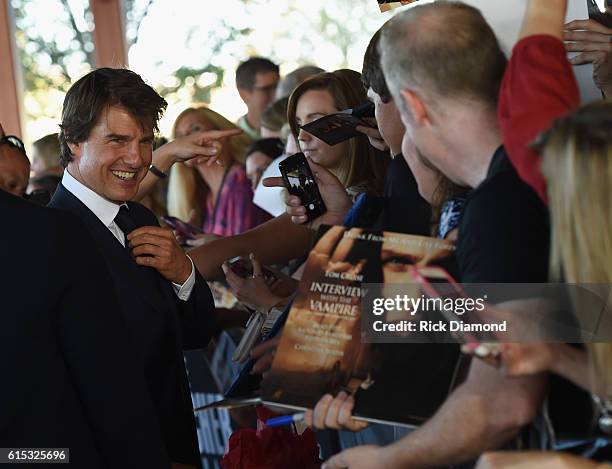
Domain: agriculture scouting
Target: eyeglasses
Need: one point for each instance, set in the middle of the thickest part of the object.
(14, 142)
(267, 88)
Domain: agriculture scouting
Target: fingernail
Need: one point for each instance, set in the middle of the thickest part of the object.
(471, 346)
(481, 351)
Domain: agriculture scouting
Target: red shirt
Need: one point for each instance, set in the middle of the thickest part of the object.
(539, 86)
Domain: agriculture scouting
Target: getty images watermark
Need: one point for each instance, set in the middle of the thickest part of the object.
(452, 313)
(446, 312)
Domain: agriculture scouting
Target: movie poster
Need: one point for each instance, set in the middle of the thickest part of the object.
(321, 350)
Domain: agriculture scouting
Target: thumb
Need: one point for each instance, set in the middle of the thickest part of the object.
(273, 182)
(256, 266)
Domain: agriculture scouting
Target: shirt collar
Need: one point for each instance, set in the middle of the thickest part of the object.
(104, 209)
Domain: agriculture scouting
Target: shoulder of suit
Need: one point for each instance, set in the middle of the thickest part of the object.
(41, 222)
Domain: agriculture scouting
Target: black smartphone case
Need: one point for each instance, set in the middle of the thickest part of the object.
(315, 207)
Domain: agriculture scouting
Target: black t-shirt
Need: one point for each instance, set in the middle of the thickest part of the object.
(504, 230)
(402, 209)
(504, 238)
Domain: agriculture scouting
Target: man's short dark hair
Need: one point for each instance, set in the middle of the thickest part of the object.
(271, 147)
(372, 75)
(87, 99)
(247, 71)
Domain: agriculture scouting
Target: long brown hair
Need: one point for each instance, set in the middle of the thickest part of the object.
(364, 164)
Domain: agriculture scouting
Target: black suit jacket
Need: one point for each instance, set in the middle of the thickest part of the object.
(68, 377)
(160, 325)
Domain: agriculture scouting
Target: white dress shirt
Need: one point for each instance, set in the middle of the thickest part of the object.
(106, 211)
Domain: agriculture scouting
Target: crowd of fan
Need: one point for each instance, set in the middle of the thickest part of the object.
(495, 154)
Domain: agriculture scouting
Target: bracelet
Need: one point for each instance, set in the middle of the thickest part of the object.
(158, 172)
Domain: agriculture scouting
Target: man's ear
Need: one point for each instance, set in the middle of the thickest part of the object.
(245, 95)
(75, 149)
(416, 106)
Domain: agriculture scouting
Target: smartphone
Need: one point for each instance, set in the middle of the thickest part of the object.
(300, 181)
(187, 230)
(243, 267)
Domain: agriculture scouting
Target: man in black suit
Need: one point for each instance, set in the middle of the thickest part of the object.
(68, 372)
(108, 124)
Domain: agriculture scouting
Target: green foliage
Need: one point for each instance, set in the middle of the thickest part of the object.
(187, 77)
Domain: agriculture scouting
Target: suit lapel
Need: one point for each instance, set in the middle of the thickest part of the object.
(121, 265)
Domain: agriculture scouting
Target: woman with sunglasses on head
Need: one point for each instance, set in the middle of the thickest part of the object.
(14, 165)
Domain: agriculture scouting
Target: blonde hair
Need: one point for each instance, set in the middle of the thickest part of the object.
(49, 151)
(186, 188)
(577, 164)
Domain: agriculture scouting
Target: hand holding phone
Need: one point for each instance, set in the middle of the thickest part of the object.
(243, 267)
(336, 200)
(300, 181)
(185, 229)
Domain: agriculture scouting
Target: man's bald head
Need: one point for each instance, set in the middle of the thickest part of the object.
(444, 49)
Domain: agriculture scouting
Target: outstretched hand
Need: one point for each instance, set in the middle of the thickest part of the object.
(198, 147)
(593, 41)
(255, 292)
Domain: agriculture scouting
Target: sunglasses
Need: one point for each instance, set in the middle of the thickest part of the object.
(14, 142)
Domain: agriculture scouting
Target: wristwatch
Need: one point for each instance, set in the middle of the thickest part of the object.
(158, 172)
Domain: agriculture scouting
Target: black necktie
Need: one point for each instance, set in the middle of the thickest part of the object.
(125, 222)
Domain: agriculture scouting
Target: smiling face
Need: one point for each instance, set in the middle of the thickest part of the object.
(115, 157)
(313, 105)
